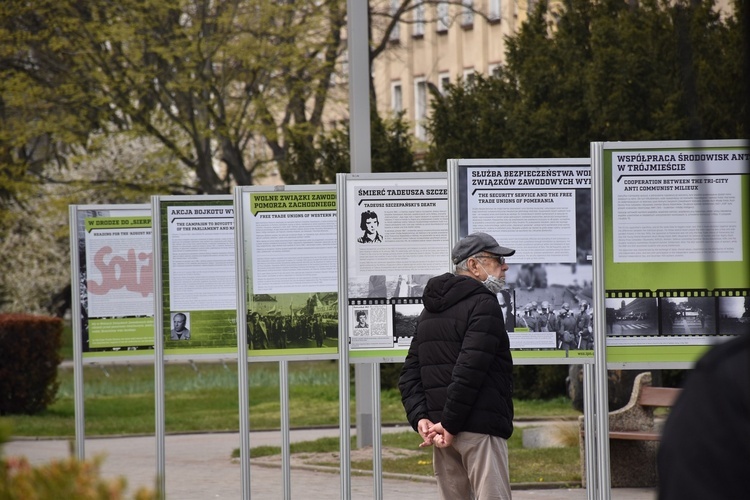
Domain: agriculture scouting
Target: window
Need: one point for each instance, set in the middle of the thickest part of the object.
(420, 108)
(395, 35)
(467, 13)
(494, 10)
(397, 98)
(443, 19)
(469, 77)
(444, 79)
(494, 69)
(418, 28)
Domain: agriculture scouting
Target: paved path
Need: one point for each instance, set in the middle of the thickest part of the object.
(199, 466)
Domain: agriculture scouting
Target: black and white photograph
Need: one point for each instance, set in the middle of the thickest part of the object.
(505, 299)
(550, 298)
(361, 315)
(380, 286)
(405, 322)
(370, 226)
(297, 320)
(410, 285)
(688, 315)
(180, 326)
(632, 316)
(734, 315)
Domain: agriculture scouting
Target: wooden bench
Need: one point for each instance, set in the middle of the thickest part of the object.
(634, 435)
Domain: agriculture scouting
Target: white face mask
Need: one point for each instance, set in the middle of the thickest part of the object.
(493, 283)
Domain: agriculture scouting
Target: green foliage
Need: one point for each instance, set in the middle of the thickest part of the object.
(3, 295)
(468, 122)
(66, 345)
(539, 381)
(390, 147)
(68, 478)
(601, 71)
(28, 362)
(208, 81)
(5, 431)
(389, 374)
(391, 144)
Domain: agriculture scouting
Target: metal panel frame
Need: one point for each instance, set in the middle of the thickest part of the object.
(244, 355)
(77, 326)
(159, 379)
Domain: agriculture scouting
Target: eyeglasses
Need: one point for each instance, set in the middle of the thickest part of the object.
(500, 260)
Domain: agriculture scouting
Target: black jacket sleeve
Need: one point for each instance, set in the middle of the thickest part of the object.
(410, 384)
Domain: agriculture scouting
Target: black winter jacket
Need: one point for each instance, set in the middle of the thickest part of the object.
(459, 370)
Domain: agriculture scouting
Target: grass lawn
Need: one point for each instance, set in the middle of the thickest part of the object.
(542, 465)
(119, 399)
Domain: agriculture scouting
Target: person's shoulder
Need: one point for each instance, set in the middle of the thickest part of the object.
(736, 348)
(485, 302)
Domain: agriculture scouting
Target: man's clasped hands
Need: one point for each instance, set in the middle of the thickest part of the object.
(433, 434)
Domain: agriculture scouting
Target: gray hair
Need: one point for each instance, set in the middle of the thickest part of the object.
(463, 265)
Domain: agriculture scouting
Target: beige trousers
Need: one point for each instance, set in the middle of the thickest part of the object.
(475, 467)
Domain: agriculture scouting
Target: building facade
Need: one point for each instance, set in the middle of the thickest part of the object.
(439, 43)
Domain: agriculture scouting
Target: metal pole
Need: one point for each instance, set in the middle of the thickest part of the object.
(286, 458)
(78, 395)
(344, 395)
(363, 396)
(161, 487)
(600, 324)
(242, 356)
(360, 154)
(359, 87)
(589, 424)
(377, 448)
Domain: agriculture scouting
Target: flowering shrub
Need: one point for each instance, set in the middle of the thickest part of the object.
(68, 478)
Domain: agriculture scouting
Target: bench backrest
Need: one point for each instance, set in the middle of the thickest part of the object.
(658, 396)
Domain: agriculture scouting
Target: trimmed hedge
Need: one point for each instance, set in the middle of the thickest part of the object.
(29, 356)
(539, 381)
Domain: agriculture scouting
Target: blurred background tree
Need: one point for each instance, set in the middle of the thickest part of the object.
(609, 70)
(104, 102)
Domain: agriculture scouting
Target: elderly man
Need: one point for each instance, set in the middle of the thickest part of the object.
(457, 381)
(180, 330)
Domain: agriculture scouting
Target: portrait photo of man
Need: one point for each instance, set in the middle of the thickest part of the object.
(180, 331)
(370, 224)
(361, 319)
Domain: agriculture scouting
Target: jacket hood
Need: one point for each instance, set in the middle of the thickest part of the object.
(448, 289)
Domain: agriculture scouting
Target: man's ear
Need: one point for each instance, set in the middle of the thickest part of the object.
(473, 266)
